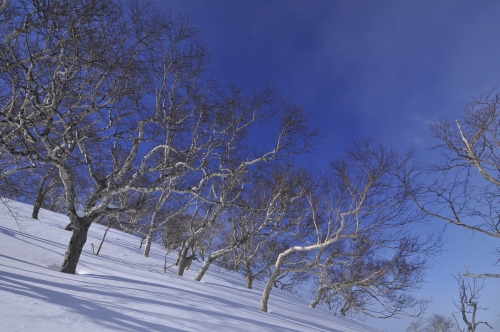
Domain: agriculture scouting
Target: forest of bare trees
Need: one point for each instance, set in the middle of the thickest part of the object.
(109, 113)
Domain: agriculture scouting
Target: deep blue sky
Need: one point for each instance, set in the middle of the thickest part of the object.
(367, 68)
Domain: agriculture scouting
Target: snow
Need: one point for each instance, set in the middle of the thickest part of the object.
(120, 290)
(81, 214)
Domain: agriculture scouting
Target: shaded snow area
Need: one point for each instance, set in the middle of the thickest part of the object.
(120, 290)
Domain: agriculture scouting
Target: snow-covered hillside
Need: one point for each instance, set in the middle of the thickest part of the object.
(120, 290)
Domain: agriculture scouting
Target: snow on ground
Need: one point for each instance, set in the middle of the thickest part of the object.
(120, 290)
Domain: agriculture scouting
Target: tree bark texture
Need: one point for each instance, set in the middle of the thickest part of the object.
(147, 247)
(183, 260)
(270, 283)
(212, 258)
(317, 298)
(40, 196)
(103, 237)
(249, 276)
(75, 246)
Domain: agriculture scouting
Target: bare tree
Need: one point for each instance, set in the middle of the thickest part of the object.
(367, 278)
(465, 190)
(48, 184)
(417, 325)
(167, 209)
(439, 323)
(78, 84)
(121, 89)
(36, 185)
(264, 211)
(467, 303)
(435, 323)
(362, 199)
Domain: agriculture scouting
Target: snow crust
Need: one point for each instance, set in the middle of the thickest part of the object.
(120, 290)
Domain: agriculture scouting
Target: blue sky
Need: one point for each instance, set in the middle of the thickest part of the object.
(368, 68)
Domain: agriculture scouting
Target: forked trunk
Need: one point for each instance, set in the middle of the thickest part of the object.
(75, 247)
(345, 308)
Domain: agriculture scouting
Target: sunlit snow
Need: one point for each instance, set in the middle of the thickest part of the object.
(120, 290)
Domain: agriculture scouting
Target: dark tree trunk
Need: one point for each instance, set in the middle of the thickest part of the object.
(249, 276)
(183, 261)
(104, 236)
(40, 196)
(249, 282)
(345, 308)
(75, 246)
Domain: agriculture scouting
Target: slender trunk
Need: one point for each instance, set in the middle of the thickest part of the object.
(319, 295)
(270, 282)
(75, 246)
(212, 258)
(149, 240)
(104, 236)
(249, 276)
(345, 308)
(190, 260)
(216, 255)
(177, 261)
(190, 242)
(40, 196)
(203, 269)
(249, 282)
(183, 261)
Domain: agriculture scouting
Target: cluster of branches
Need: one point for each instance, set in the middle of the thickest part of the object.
(353, 237)
(114, 101)
(462, 189)
(435, 323)
(467, 306)
(107, 109)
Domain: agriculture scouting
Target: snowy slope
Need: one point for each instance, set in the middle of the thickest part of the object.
(120, 290)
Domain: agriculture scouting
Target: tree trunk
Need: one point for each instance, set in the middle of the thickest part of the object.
(183, 261)
(270, 282)
(345, 308)
(212, 258)
(177, 261)
(149, 239)
(249, 282)
(191, 242)
(40, 196)
(104, 237)
(316, 300)
(249, 276)
(75, 246)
